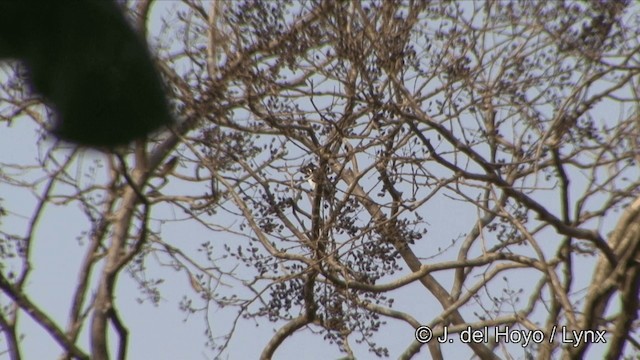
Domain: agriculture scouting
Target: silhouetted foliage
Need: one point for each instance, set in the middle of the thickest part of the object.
(90, 67)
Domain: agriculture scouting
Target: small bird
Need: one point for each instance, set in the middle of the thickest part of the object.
(194, 282)
(168, 167)
(311, 175)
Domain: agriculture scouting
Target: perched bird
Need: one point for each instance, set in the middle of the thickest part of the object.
(89, 65)
(194, 282)
(311, 175)
(314, 178)
(168, 167)
(164, 171)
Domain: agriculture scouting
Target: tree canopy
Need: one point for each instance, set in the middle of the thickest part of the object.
(475, 165)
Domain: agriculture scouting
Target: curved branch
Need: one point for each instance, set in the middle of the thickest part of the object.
(41, 318)
(284, 332)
